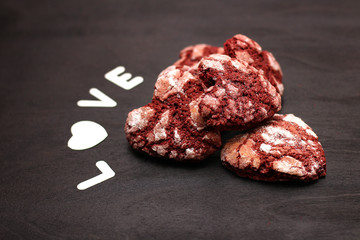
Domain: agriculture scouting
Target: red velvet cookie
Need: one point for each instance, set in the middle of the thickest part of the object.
(283, 149)
(182, 121)
(170, 126)
(237, 95)
(244, 48)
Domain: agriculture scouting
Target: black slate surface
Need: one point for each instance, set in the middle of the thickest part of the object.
(53, 52)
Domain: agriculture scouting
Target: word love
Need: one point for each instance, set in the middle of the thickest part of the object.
(88, 134)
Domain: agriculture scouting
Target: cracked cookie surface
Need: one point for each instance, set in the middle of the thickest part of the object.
(170, 126)
(283, 149)
(238, 96)
(244, 48)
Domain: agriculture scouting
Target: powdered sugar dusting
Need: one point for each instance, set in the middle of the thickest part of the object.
(277, 135)
(265, 147)
(280, 87)
(173, 154)
(160, 127)
(232, 107)
(248, 155)
(160, 149)
(240, 65)
(220, 92)
(263, 112)
(167, 82)
(198, 50)
(272, 62)
(291, 118)
(248, 111)
(243, 41)
(220, 57)
(244, 56)
(190, 153)
(232, 90)
(211, 101)
(196, 118)
(314, 168)
(309, 131)
(177, 137)
(138, 118)
(213, 64)
(290, 166)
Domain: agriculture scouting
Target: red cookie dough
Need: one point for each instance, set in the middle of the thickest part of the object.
(238, 96)
(244, 48)
(283, 149)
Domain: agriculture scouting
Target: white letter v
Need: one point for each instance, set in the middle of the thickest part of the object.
(103, 100)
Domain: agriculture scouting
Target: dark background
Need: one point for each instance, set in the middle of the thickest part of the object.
(53, 52)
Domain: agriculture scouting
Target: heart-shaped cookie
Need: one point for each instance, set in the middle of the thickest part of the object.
(86, 134)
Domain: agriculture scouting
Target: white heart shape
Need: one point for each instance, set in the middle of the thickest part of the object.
(86, 134)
